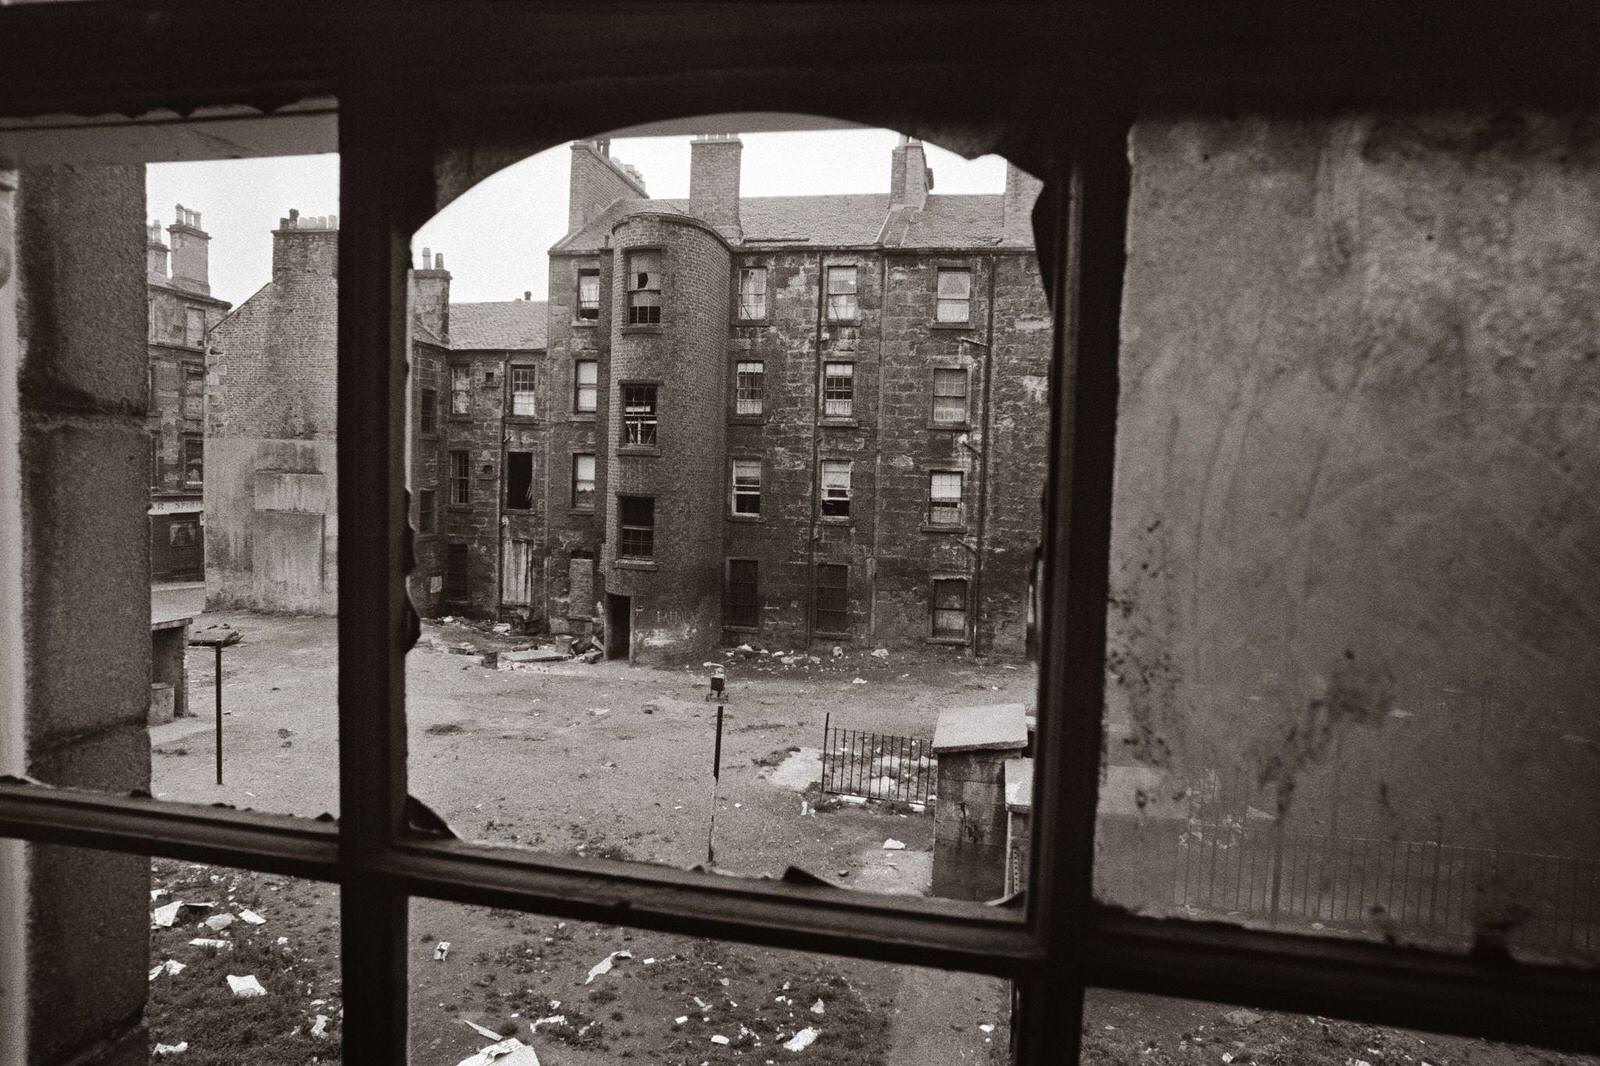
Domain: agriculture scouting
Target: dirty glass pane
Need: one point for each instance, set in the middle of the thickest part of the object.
(1120, 1028)
(574, 992)
(244, 967)
(1356, 552)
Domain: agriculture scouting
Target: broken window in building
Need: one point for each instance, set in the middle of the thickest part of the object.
(460, 477)
(747, 487)
(752, 293)
(836, 488)
(428, 419)
(750, 387)
(585, 385)
(950, 396)
(637, 518)
(950, 609)
(588, 295)
(742, 602)
(519, 481)
(832, 598)
(838, 390)
(944, 498)
(639, 415)
(194, 459)
(461, 390)
(194, 393)
(955, 295)
(455, 572)
(522, 392)
(583, 481)
(644, 289)
(425, 511)
(843, 305)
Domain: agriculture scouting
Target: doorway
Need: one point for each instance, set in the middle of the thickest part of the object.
(619, 625)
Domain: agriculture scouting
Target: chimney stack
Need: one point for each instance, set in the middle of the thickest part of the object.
(1022, 189)
(910, 179)
(191, 252)
(305, 245)
(596, 182)
(714, 181)
(155, 251)
(430, 294)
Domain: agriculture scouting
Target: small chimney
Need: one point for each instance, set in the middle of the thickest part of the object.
(910, 180)
(430, 294)
(155, 250)
(714, 181)
(527, 294)
(305, 245)
(191, 251)
(1022, 190)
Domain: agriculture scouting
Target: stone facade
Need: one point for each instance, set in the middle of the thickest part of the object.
(182, 312)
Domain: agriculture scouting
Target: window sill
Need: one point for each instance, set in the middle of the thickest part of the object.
(583, 416)
(523, 420)
(741, 629)
(642, 451)
(634, 564)
(929, 527)
(581, 512)
(753, 322)
(952, 427)
(585, 323)
(953, 642)
(747, 420)
(519, 510)
(745, 518)
(836, 520)
(640, 328)
(840, 423)
(969, 324)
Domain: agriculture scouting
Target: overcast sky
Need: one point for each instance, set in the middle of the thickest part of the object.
(494, 238)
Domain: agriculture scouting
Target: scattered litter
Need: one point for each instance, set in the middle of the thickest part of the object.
(680, 1019)
(282, 940)
(172, 1049)
(802, 1040)
(987, 1027)
(1356, 1062)
(723, 981)
(319, 1028)
(838, 652)
(857, 681)
(599, 712)
(252, 917)
(818, 1008)
(1227, 1057)
(720, 1039)
(208, 942)
(157, 893)
(441, 950)
(164, 916)
(702, 1004)
(649, 962)
(219, 922)
(744, 648)
(246, 987)
(482, 1030)
(880, 653)
(855, 801)
(1241, 1017)
(502, 627)
(553, 1019)
(172, 968)
(894, 845)
(512, 1052)
(605, 964)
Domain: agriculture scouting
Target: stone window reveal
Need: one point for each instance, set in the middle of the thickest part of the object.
(637, 519)
(742, 601)
(747, 486)
(639, 415)
(750, 388)
(644, 289)
(583, 482)
(523, 395)
(460, 478)
(752, 292)
(843, 302)
(428, 419)
(585, 385)
(838, 390)
(519, 481)
(836, 488)
(588, 295)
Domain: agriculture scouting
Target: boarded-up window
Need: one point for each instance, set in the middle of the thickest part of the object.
(950, 609)
(516, 573)
(580, 585)
(955, 296)
(950, 396)
(455, 572)
(742, 601)
(194, 327)
(644, 288)
(461, 390)
(519, 481)
(522, 392)
(832, 598)
(194, 392)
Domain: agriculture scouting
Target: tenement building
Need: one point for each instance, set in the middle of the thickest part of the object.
(791, 420)
(181, 312)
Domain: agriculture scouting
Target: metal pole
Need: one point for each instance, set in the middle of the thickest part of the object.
(219, 714)
(716, 777)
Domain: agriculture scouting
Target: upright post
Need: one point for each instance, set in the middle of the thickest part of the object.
(716, 777)
(219, 713)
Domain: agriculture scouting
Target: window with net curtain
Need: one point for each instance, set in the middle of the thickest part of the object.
(955, 296)
(838, 390)
(585, 385)
(836, 488)
(944, 498)
(523, 396)
(950, 396)
(583, 481)
(750, 387)
(588, 295)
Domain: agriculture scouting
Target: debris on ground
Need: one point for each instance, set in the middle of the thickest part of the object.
(209, 942)
(802, 1040)
(441, 951)
(858, 681)
(219, 922)
(605, 964)
(894, 845)
(718, 1038)
(1241, 1017)
(164, 916)
(818, 1008)
(172, 1049)
(252, 917)
(482, 1030)
(512, 1052)
(172, 968)
(880, 653)
(246, 987)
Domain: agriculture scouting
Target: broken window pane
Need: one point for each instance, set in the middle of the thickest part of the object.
(1354, 592)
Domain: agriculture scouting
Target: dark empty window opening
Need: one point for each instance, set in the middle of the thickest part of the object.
(950, 609)
(843, 302)
(194, 460)
(428, 418)
(637, 518)
(523, 396)
(742, 600)
(644, 289)
(425, 511)
(460, 478)
(639, 415)
(832, 598)
(455, 572)
(519, 481)
(588, 295)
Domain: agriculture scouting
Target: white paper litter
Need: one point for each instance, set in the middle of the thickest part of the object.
(987, 1027)
(209, 942)
(853, 681)
(482, 1030)
(319, 1027)
(172, 968)
(649, 962)
(702, 1004)
(219, 922)
(680, 1019)
(894, 845)
(441, 950)
(512, 1052)
(245, 987)
(720, 1039)
(802, 1040)
(172, 1049)
(164, 916)
(252, 917)
(157, 893)
(282, 940)
(818, 1008)
(605, 964)
(553, 1019)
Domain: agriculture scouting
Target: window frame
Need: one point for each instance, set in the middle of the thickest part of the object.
(427, 411)
(759, 399)
(1064, 940)
(532, 391)
(934, 421)
(533, 481)
(460, 386)
(934, 635)
(184, 443)
(580, 388)
(624, 554)
(849, 496)
(728, 587)
(739, 273)
(651, 421)
(594, 473)
(848, 414)
(832, 312)
(427, 512)
(579, 306)
(817, 610)
(645, 322)
(932, 524)
(734, 492)
(459, 492)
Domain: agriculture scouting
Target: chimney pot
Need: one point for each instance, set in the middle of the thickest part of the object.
(438, 261)
(527, 294)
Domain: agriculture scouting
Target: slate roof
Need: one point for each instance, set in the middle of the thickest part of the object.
(504, 325)
(857, 220)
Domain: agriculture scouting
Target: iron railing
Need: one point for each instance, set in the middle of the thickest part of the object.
(877, 766)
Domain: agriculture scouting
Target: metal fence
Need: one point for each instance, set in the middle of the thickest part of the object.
(1421, 888)
(876, 766)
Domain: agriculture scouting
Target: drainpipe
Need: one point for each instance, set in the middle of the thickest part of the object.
(983, 466)
(816, 465)
(877, 467)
